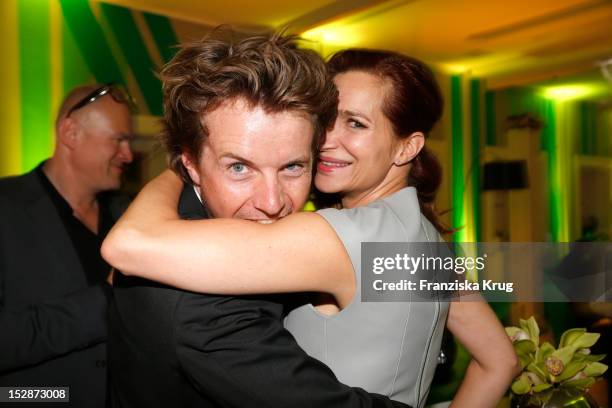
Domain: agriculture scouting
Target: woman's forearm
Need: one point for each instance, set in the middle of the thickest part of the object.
(226, 256)
(483, 388)
(156, 205)
(494, 363)
(157, 201)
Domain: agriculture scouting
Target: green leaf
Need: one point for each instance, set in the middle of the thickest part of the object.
(541, 398)
(582, 383)
(524, 347)
(531, 327)
(534, 330)
(565, 354)
(569, 336)
(595, 369)
(586, 340)
(511, 331)
(541, 387)
(524, 350)
(539, 369)
(521, 385)
(591, 358)
(571, 370)
(516, 334)
(534, 379)
(588, 358)
(545, 351)
(525, 359)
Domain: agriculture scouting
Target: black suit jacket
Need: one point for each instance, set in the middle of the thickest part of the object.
(170, 348)
(52, 322)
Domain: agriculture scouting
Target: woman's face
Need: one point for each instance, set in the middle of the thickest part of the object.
(359, 151)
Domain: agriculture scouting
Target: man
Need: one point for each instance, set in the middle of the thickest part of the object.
(240, 120)
(54, 288)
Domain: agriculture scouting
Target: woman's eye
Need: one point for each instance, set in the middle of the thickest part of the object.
(238, 167)
(355, 124)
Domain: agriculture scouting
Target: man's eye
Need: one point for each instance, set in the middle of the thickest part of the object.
(238, 167)
(121, 139)
(355, 124)
(294, 167)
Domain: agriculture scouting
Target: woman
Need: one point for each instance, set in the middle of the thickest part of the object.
(374, 159)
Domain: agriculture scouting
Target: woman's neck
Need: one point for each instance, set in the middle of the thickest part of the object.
(384, 189)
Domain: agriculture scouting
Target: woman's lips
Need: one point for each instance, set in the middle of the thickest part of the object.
(327, 164)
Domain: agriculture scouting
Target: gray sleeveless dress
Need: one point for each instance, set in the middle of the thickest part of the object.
(389, 348)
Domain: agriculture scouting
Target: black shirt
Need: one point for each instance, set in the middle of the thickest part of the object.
(86, 243)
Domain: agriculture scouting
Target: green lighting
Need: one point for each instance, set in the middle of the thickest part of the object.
(458, 182)
(35, 82)
(555, 201)
(476, 111)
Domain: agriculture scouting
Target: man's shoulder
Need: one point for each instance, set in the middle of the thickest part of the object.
(17, 189)
(145, 299)
(138, 290)
(143, 310)
(221, 309)
(142, 341)
(15, 182)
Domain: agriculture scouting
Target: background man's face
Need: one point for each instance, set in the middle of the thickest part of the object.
(254, 165)
(103, 149)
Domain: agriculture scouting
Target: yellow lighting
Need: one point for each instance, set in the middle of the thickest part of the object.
(309, 206)
(333, 34)
(455, 69)
(567, 92)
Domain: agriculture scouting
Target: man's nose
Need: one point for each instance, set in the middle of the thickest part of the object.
(125, 152)
(270, 198)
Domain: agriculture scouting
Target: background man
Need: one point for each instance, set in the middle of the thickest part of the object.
(243, 120)
(54, 288)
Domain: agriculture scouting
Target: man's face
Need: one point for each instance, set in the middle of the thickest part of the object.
(103, 148)
(254, 165)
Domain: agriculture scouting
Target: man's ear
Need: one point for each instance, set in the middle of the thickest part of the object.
(68, 133)
(408, 148)
(191, 168)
